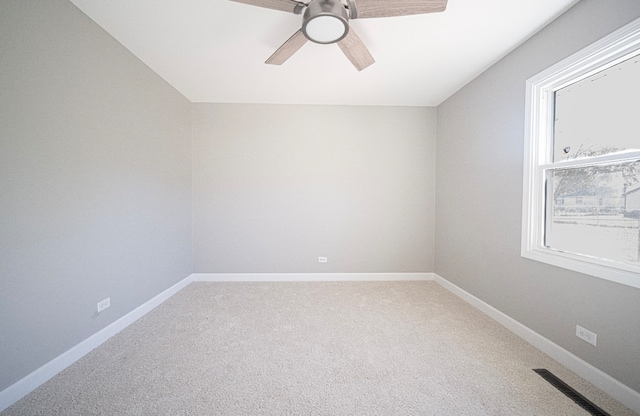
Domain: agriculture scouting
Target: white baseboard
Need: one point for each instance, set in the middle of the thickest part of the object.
(606, 383)
(29, 383)
(619, 391)
(308, 277)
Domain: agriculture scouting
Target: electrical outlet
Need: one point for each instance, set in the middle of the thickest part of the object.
(586, 335)
(103, 304)
(322, 259)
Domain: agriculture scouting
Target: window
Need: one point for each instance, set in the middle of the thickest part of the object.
(581, 199)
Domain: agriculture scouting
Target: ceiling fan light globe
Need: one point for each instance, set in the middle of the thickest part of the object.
(325, 21)
(326, 29)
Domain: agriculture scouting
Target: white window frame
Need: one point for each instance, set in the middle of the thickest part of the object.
(538, 151)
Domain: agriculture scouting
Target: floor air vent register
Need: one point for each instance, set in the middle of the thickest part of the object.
(570, 392)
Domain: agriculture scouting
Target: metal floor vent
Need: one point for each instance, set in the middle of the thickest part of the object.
(570, 392)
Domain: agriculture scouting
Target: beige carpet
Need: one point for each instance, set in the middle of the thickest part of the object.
(329, 348)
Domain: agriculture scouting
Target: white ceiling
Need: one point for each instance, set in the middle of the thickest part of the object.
(214, 50)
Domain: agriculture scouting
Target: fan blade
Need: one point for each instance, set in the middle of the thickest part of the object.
(353, 47)
(390, 8)
(282, 5)
(287, 49)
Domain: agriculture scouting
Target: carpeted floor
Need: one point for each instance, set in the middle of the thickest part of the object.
(312, 348)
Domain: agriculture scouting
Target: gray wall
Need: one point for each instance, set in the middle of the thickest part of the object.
(95, 182)
(276, 186)
(479, 194)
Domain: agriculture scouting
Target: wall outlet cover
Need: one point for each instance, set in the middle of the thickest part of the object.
(586, 335)
(103, 304)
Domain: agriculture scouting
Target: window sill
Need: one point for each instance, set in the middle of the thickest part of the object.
(615, 272)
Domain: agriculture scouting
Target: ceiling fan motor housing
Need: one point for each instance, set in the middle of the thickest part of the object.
(325, 21)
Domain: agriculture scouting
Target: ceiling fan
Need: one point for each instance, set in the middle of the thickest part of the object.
(327, 21)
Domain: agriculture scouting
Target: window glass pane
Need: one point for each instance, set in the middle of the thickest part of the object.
(599, 114)
(595, 211)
